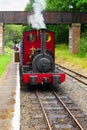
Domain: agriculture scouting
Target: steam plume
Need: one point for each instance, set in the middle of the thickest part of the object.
(37, 20)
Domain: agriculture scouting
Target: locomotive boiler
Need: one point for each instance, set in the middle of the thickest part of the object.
(37, 58)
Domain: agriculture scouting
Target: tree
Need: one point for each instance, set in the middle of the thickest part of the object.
(12, 34)
(57, 5)
(70, 6)
(29, 6)
(80, 5)
(67, 5)
(61, 31)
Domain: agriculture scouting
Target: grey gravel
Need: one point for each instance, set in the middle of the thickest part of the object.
(76, 91)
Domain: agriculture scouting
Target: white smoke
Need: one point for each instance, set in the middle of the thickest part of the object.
(37, 20)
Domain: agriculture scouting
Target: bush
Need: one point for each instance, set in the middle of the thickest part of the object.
(10, 44)
(61, 32)
(83, 44)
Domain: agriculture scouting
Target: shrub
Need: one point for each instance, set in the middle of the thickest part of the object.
(10, 44)
(83, 44)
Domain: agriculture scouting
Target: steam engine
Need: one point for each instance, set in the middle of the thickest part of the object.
(37, 58)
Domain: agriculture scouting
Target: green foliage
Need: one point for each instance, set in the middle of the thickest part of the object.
(64, 57)
(70, 6)
(26, 28)
(67, 5)
(80, 5)
(57, 5)
(12, 34)
(83, 44)
(5, 59)
(61, 32)
(10, 44)
(29, 6)
(61, 5)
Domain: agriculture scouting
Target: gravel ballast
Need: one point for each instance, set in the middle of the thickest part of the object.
(76, 91)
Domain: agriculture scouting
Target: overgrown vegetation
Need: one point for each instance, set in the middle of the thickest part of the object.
(5, 59)
(63, 56)
(83, 45)
(12, 34)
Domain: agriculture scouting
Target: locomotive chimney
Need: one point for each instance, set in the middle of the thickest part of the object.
(43, 40)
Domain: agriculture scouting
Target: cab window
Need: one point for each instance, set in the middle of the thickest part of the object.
(31, 37)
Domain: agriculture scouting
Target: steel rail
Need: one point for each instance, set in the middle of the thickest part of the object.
(72, 71)
(73, 76)
(44, 111)
(80, 127)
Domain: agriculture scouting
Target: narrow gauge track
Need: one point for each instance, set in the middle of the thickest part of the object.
(57, 114)
(31, 114)
(41, 110)
(79, 77)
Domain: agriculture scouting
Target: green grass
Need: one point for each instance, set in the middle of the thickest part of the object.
(4, 60)
(63, 56)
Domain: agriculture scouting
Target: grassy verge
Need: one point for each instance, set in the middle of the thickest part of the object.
(64, 57)
(4, 60)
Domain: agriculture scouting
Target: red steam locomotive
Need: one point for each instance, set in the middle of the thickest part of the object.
(37, 58)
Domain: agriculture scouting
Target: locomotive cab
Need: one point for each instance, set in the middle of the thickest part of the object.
(38, 58)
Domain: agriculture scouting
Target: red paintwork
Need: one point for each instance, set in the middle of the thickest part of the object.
(26, 77)
(36, 43)
(27, 54)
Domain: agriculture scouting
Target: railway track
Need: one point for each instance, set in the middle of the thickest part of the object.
(77, 76)
(46, 110)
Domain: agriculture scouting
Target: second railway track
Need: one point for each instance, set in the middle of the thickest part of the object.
(43, 110)
(77, 76)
